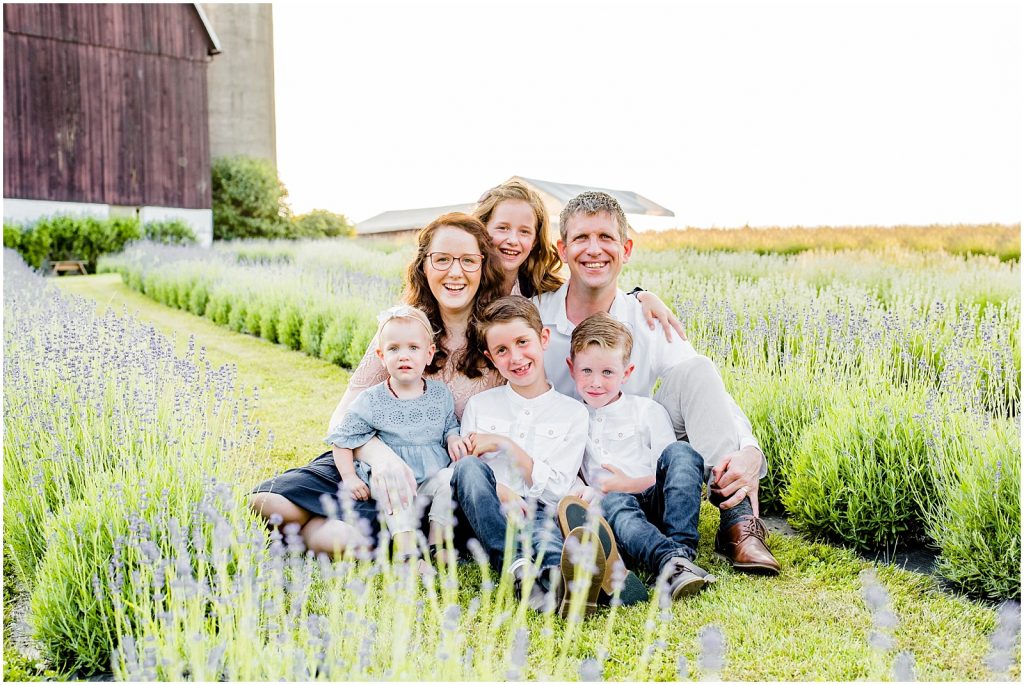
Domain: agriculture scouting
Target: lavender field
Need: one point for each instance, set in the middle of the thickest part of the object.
(884, 387)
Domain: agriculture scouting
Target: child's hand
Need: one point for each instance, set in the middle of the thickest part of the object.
(617, 482)
(356, 487)
(487, 442)
(585, 493)
(515, 504)
(457, 448)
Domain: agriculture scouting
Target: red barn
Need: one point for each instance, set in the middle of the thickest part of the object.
(105, 112)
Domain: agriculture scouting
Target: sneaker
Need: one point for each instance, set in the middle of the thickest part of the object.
(594, 568)
(539, 599)
(684, 578)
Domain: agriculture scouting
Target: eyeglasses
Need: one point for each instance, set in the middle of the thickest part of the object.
(442, 261)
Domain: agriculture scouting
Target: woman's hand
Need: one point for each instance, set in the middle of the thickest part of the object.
(656, 310)
(457, 447)
(391, 480)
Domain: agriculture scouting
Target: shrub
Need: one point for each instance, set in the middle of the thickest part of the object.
(974, 518)
(362, 336)
(780, 409)
(321, 223)
(12, 236)
(312, 330)
(248, 199)
(860, 474)
(174, 232)
(198, 298)
(289, 325)
(268, 320)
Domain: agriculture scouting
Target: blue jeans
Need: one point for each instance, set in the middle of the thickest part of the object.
(476, 493)
(659, 523)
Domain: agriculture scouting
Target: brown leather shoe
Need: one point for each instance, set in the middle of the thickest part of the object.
(743, 544)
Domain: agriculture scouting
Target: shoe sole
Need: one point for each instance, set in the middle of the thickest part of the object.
(569, 573)
(689, 589)
(572, 513)
(759, 569)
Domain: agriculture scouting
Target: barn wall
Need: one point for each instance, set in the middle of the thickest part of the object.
(120, 122)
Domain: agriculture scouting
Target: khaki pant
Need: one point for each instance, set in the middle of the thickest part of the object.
(702, 411)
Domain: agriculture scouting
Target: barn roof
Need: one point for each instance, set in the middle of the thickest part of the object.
(215, 48)
(407, 219)
(554, 194)
(632, 203)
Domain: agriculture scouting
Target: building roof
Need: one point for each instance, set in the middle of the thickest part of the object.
(215, 48)
(632, 203)
(555, 195)
(407, 219)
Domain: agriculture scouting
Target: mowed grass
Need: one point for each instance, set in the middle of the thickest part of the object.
(811, 623)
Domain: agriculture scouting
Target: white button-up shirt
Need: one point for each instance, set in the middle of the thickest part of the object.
(652, 355)
(629, 434)
(551, 428)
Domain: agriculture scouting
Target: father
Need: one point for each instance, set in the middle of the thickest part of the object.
(595, 244)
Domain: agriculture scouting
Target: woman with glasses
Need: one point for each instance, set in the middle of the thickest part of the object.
(456, 273)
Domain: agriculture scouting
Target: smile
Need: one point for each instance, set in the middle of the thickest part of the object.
(522, 370)
(510, 253)
(594, 265)
(455, 287)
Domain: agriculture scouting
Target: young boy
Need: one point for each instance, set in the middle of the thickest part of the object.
(627, 436)
(526, 441)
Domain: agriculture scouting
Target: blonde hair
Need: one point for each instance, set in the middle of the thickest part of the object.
(539, 273)
(509, 308)
(592, 202)
(403, 312)
(606, 332)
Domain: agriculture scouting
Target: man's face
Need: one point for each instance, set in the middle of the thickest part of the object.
(594, 250)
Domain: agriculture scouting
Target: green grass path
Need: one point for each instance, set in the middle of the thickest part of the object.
(297, 393)
(810, 623)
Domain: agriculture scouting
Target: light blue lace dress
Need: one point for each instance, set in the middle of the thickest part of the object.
(417, 429)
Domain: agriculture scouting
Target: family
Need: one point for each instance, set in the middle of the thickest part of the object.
(519, 397)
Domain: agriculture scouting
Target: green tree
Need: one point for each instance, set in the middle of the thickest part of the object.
(249, 201)
(321, 223)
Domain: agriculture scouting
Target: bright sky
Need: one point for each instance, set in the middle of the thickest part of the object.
(727, 113)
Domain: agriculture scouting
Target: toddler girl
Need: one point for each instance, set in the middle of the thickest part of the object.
(413, 416)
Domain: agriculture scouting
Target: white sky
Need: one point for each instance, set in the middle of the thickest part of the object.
(728, 113)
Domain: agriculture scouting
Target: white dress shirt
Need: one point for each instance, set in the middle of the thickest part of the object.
(629, 434)
(551, 428)
(652, 355)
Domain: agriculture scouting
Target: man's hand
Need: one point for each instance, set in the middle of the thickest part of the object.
(514, 504)
(457, 448)
(737, 476)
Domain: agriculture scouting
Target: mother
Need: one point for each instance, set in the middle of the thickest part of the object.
(308, 495)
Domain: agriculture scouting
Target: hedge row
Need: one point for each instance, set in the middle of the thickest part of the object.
(881, 469)
(65, 237)
(337, 330)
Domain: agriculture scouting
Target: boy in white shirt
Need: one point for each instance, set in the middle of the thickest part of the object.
(526, 441)
(628, 434)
